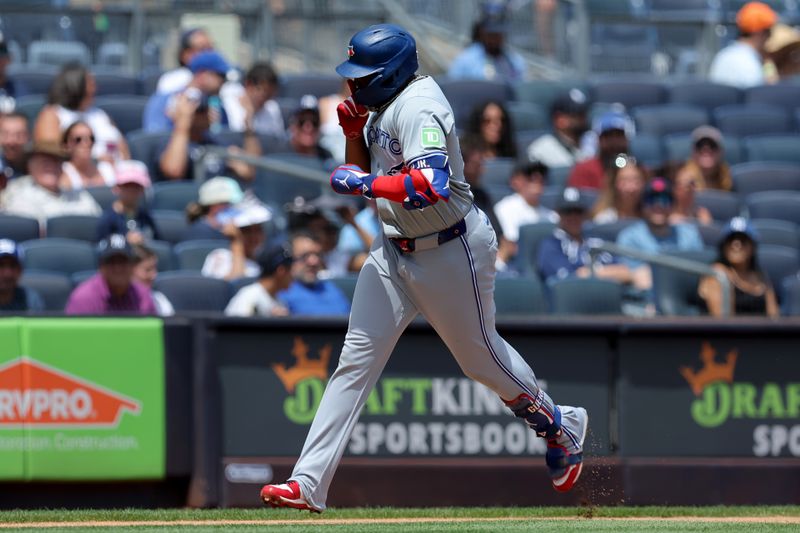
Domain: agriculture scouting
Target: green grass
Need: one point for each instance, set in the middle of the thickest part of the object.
(536, 519)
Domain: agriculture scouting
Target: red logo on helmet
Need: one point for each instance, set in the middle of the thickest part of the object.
(350, 51)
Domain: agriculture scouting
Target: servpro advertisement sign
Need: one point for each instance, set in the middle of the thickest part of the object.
(81, 399)
(735, 397)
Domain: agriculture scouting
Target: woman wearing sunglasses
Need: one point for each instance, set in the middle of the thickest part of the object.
(81, 170)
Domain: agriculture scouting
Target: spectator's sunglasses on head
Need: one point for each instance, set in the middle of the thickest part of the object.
(80, 139)
(623, 160)
(711, 144)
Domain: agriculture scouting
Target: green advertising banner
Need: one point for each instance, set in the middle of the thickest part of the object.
(82, 399)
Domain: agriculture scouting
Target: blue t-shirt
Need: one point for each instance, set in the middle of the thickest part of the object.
(681, 237)
(559, 256)
(475, 64)
(349, 240)
(321, 298)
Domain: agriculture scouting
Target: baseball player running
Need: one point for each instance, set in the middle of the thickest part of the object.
(436, 258)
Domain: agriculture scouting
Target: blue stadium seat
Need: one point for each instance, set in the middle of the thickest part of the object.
(631, 93)
(53, 287)
(710, 233)
(103, 195)
(497, 171)
(192, 292)
(760, 176)
(163, 249)
(148, 81)
(647, 149)
(609, 231)
(18, 228)
(773, 148)
(116, 84)
(278, 188)
(125, 111)
(171, 224)
(790, 296)
(678, 148)
(675, 290)
(82, 275)
(173, 195)
(316, 83)
(59, 255)
(621, 48)
(778, 262)
(527, 116)
(112, 54)
(586, 296)
(745, 120)
(781, 205)
(723, 205)
(37, 78)
(669, 118)
(190, 255)
(80, 227)
(520, 296)
(147, 148)
(784, 95)
(30, 106)
(464, 95)
(346, 284)
(778, 232)
(704, 94)
(544, 92)
(57, 53)
(530, 236)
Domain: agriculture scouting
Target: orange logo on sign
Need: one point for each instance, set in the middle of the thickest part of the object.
(305, 367)
(41, 396)
(711, 371)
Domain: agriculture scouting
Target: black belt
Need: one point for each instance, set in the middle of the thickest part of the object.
(407, 245)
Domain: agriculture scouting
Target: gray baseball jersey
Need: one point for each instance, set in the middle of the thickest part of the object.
(450, 284)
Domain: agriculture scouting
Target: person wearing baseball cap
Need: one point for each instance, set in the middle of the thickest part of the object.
(655, 234)
(215, 196)
(112, 290)
(741, 63)
(751, 290)
(13, 297)
(614, 129)
(304, 130)
(260, 298)
(706, 165)
(568, 117)
(127, 214)
(192, 41)
(243, 225)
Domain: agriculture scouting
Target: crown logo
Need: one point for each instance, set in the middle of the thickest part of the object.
(304, 368)
(712, 371)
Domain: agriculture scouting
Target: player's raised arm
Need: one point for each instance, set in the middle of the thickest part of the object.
(352, 118)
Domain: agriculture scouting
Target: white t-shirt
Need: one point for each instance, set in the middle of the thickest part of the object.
(106, 135)
(105, 168)
(513, 211)
(267, 120)
(553, 153)
(252, 300)
(219, 262)
(737, 64)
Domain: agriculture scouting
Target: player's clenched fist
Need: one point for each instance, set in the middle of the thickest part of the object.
(352, 118)
(350, 179)
(419, 190)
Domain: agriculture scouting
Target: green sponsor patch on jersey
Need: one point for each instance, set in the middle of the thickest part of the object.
(431, 137)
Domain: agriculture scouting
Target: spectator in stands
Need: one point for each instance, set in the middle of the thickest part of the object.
(112, 290)
(243, 226)
(490, 130)
(686, 208)
(622, 194)
(81, 170)
(191, 134)
(356, 236)
(214, 197)
(706, 163)
(613, 129)
(260, 298)
(145, 271)
(209, 70)
(13, 297)
(257, 110)
(9, 87)
(39, 194)
(751, 292)
(655, 234)
(562, 146)
(71, 99)
(331, 135)
(14, 139)
(741, 63)
(783, 47)
(192, 42)
(523, 206)
(566, 252)
(488, 57)
(127, 215)
(308, 294)
(304, 131)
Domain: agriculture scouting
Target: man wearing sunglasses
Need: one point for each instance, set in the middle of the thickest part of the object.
(304, 130)
(741, 63)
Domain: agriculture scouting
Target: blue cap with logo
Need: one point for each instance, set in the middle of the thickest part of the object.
(209, 60)
(114, 245)
(271, 258)
(9, 248)
(614, 119)
(739, 226)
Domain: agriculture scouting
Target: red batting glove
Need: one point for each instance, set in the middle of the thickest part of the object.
(352, 118)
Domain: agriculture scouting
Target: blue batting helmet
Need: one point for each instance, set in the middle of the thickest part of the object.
(386, 52)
